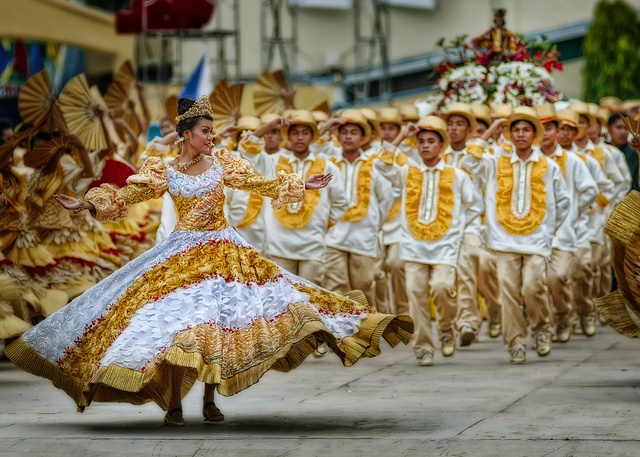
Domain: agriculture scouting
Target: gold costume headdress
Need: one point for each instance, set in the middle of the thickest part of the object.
(201, 107)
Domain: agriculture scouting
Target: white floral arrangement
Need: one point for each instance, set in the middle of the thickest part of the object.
(514, 83)
(462, 84)
(522, 83)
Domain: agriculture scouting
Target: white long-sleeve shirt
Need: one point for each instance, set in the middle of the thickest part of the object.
(612, 171)
(618, 158)
(392, 227)
(307, 242)
(583, 190)
(455, 159)
(433, 190)
(326, 146)
(599, 209)
(241, 206)
(361, 236)
(525, 201)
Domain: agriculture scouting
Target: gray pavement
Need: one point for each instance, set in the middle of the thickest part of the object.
(582, 400)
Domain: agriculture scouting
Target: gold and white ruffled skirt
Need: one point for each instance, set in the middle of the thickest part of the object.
(207, 301)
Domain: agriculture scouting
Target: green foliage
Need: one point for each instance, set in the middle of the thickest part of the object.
(612, 52)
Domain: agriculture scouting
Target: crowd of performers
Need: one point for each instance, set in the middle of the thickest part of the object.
(474, 214)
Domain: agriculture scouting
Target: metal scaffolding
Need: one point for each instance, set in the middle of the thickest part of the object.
(371, 49)
(272, 16)
(160, 54)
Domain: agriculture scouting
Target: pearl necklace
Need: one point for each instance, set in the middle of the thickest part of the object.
(182, 167)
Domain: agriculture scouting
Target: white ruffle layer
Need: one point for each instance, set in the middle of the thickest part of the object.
(61, 329)
(229, 305)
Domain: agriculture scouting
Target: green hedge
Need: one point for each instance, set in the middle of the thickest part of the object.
(612, 52)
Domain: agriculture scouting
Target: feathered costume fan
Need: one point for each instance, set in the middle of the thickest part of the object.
(122, 97)
(171, 107)
(225, 102)
(46, 151)
(81, 113)
(272, 94)
(38, 105)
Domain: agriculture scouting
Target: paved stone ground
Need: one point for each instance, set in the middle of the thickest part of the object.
(582, 400)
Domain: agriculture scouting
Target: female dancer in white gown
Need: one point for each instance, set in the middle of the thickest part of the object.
(203, 304)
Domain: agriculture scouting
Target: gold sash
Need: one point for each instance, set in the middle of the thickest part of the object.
(357, 212)
(600, 199)
(296, 216)
(254, 207)
(599, 154)
(440, 223)
(530, 220)
(561, 161)
(401, 161)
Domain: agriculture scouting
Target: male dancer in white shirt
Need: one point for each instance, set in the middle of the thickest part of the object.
(438, 202)
(526, 202)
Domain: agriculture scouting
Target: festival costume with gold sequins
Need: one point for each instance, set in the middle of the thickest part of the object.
(203, 299)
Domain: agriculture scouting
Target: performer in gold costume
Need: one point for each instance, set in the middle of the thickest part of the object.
(203, 304)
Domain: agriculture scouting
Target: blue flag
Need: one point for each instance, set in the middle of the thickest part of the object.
(199, 81)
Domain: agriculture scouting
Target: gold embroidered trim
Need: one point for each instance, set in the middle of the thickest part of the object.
(602, 200)
(267, 187)
(109, 204)
(152, 174)
(363, 190)
(535, 197)
(401, 160)
(475, 150)
(235, 170)
(193, 265)
(561, 161)
(297, 215)
(332, 303)
(250, 147)
(112, 204)
(116, 384)
(206, 213)
(599, 154)
(442, 200)
(239, 175)
(290, 189)
(254, 208)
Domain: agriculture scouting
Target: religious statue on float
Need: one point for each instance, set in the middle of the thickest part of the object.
(496, 67)
(498, 44)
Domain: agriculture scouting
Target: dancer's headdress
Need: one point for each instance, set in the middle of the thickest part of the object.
(201, 107)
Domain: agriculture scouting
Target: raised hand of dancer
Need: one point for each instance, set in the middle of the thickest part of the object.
(74, 204)
(227, 131)
(318, 181)
(409, 130)
(496, 125)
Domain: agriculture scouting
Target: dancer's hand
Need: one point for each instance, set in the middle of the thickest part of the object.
(318, 181)
(409, 130)
(69, 203)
